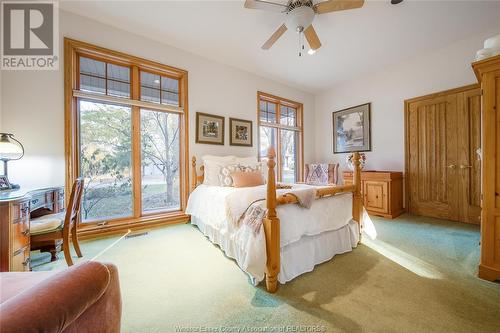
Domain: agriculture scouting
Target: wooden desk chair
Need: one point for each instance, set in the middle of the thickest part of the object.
(49, 229)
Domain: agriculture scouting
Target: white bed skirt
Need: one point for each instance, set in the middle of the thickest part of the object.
(298, 257)
(301, 256)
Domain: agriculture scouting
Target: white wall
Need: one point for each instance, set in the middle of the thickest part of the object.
(33, 104)
(387, 89)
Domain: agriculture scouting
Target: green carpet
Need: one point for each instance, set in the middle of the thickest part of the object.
(418, 275)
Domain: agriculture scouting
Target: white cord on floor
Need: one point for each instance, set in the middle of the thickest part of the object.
(110, 246)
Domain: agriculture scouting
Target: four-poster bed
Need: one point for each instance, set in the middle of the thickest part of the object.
(271, 221)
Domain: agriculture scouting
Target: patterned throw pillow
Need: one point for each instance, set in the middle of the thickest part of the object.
(317, 174)
(321, 174)
(225, 178)
(251, 168)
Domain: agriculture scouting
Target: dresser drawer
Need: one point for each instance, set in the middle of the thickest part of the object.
(20, 211)
(20, 234)
(42, 200)
(20, 261)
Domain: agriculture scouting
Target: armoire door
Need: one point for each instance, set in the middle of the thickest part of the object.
(432, 157)
(469, 161)
(443, 165)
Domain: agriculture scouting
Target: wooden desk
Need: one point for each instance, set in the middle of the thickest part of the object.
(382, 192)
(16, 209)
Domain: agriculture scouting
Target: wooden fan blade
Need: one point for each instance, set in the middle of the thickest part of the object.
(336, 5)
(265, 5)
(274, 37)
(312, 38)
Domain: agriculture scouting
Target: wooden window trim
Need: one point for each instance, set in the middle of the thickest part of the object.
(159, 89)
(279, 101)
(127, 101)
(73, 49)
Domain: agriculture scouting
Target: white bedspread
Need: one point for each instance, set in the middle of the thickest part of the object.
(210, 205)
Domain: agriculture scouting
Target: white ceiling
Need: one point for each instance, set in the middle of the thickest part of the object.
(354, 41)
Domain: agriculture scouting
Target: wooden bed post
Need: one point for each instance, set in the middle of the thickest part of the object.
(195, 179)
(357, 204)
(272, 227)
(194, 176)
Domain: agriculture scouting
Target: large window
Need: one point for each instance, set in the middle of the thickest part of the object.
(126, 136)
(105, 160)
(280, 126)
(160, 160)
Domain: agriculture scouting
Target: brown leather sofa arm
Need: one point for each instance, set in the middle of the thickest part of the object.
(55, 303)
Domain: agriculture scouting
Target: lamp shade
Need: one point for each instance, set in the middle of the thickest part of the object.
(10, 148)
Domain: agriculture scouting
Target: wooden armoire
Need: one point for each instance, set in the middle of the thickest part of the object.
(488, 74)
(443, 165)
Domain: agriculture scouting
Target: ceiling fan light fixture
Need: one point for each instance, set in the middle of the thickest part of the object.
(311, 52)
(300, 18)
(299, 15)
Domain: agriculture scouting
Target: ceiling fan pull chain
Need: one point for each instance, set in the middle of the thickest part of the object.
(300, 51)
(301, 43)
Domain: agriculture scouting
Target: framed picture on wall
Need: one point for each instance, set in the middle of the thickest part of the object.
(240, 132)
(352, 129)
(209, 129)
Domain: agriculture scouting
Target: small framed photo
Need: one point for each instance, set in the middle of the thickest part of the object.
(4, 183)
(352, 129)
(240, 132)
(209, 129)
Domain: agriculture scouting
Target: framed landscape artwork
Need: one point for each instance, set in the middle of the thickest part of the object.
(351, 129)
(240, 132)
(209, 129)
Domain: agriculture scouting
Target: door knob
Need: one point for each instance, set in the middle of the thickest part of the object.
(452, 166)
(465, 166)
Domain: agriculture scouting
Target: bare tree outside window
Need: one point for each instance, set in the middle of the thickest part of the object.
(280, 126)
(160, 160)
(105, 160)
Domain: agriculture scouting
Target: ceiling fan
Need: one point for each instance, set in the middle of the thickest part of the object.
(299, 16)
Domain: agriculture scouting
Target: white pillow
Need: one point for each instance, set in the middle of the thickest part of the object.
(213, 165)
(212, 170)
(221, 159)
(246, 160)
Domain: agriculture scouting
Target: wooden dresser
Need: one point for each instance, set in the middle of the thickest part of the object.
(16, 208)
(488, 74)
(382, 192)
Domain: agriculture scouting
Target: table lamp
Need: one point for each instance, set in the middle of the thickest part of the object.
(10, 150)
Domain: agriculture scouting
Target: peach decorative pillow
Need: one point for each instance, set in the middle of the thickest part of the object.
(247, 179)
